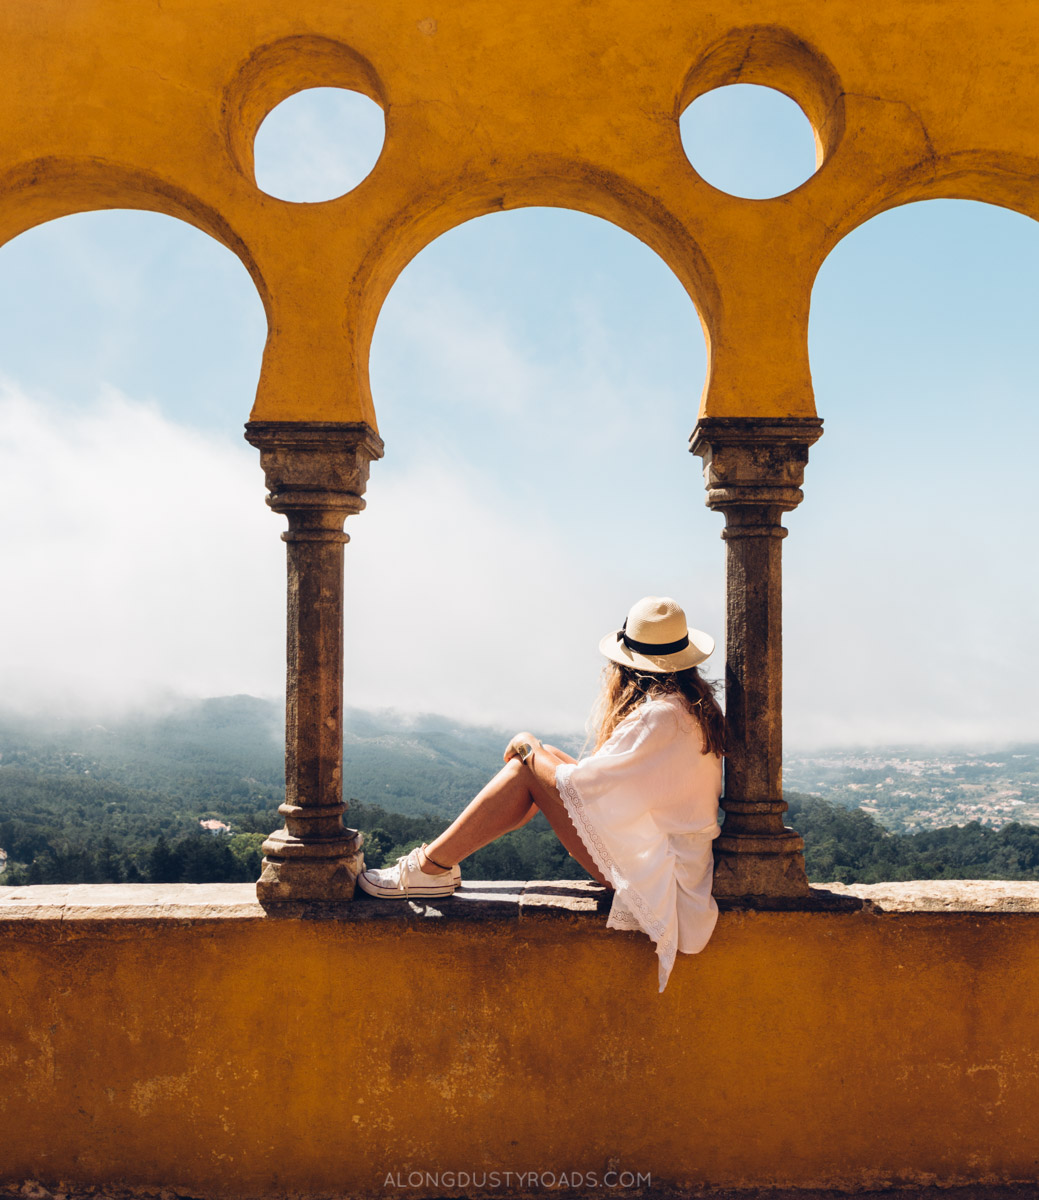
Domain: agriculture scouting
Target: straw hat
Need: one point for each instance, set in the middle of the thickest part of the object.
(655, 638)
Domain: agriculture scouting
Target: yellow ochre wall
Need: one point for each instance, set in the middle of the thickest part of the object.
(252, 1056)
(494, 104)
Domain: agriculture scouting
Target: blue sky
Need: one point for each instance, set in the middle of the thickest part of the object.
(537, 375)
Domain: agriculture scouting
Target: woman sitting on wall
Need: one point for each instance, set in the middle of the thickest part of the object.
(639, 813)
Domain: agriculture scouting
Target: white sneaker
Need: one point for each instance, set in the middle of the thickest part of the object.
(407, 879)
(456, 870)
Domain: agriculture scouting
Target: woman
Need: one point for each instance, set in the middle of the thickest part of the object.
(639, 813)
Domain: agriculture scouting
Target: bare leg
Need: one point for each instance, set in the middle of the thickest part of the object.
(548, 799)
(510, 799)
(503, 805)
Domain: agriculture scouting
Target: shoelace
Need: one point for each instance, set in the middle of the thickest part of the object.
(404, 867)
(403, 863)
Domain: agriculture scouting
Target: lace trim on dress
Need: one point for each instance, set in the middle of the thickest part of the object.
(621, 917)
(633, 907)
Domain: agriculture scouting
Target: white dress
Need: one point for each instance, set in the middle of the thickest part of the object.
(646, 806)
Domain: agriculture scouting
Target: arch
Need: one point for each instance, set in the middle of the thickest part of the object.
(989, 177)
(139, 301)
(551, 183)
(48, 188)
(517, 463)
(117, 479)
(942, 459)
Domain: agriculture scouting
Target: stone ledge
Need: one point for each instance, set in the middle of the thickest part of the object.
(510, 900)
(944, 895)
(477, 901)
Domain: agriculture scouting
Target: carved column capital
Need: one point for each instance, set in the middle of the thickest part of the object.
(316, 474)
(752, 464)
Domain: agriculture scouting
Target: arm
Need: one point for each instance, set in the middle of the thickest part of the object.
(560, 756)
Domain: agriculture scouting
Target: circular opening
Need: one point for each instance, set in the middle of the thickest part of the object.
(318, 145)
(749, 141)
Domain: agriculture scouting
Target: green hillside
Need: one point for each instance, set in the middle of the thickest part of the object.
(85, 802)
(91, 802)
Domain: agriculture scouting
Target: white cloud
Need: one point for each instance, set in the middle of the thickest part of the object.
(451, 608)
(140, 559)
(891, 646)
(536, 483)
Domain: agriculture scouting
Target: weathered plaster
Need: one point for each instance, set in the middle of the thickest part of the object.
(491, 105)
(172, 1036)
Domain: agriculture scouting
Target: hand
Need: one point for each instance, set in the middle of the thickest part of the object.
(511, 750)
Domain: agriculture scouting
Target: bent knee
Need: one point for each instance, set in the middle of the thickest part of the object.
(519, 775)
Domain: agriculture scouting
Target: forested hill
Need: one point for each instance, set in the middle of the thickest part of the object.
(89, 800)
(424, 765)
(228, 751)
(226, 754)
(122, 800)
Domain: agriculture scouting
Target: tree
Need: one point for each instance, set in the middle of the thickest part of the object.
(162, 866)
(109, 865)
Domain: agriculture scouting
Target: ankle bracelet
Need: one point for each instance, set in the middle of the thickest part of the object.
(433, 860)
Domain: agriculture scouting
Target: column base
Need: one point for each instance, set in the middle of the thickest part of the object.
(750, 866)
(295, 870)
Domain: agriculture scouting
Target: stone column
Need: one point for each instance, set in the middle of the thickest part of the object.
(753, 470)
(316, 474)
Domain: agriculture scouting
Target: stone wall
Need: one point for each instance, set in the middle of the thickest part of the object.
(177, 1036)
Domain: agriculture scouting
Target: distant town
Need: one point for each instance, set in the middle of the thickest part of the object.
(912, 789)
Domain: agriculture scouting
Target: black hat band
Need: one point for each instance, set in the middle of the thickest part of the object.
(653, 649)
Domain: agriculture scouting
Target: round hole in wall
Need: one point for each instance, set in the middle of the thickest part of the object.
(318, 144)
(749, 141)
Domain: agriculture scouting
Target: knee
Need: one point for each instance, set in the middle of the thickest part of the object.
(519, 775)
(516, 771)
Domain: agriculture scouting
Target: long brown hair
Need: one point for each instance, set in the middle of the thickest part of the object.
(623, 688)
